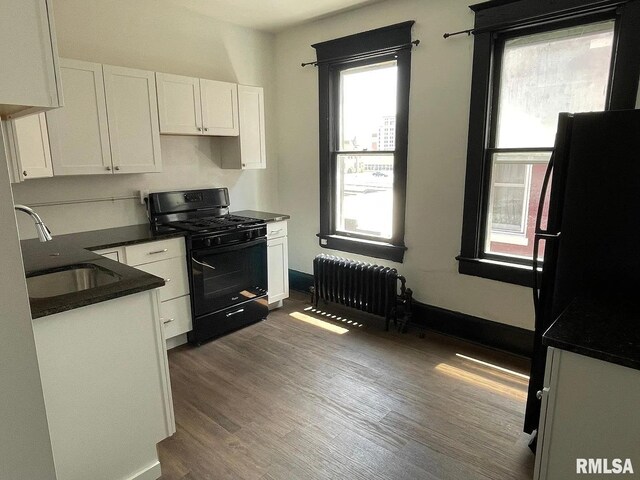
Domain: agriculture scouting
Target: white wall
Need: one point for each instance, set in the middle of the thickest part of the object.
(25, 448)
(438, 124)
(158, 36)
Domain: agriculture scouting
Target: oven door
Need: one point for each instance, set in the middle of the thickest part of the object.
(228, 275)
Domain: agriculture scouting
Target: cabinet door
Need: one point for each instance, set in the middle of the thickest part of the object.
(132, 112)
(278, 268)
(29, 56)
(219, 107)
(78, 132)
(252, 131)
(31, 147)
(179, 104)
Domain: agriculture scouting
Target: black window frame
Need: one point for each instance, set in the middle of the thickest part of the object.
(371, 47)
(495, 22)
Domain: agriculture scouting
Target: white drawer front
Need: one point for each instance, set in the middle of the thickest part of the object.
(154, 251)
(174, 272)
(116, 254)
(176, 316)
(276, 229)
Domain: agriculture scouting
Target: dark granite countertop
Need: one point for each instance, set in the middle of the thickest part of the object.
(111, 237)
(608, 330)
(73, 249)
(266, 216)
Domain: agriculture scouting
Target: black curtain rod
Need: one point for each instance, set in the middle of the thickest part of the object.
(540, 19)
(468, 32)
(373, 53)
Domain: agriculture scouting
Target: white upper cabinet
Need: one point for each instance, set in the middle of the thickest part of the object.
(29, 147)
(132, 114)
(109, 123)
(79, 132)
(29, 80)
(249, 150)
(219, 107)
(192, 106)
(179, 104)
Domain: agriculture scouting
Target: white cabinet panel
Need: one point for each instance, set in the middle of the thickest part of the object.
(174, 272)
(115, 253)
(29, 56)
(589, 410)
(155, 251)
(248, 151)
(132, 113)
(79, 133)
(179, 104)
(276, 229)
(30, 147)
(219, 107)
(175, 315)
(278, 268)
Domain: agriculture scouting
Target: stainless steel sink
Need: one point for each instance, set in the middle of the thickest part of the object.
(74, 279)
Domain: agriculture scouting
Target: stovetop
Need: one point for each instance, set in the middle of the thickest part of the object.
(214, 224)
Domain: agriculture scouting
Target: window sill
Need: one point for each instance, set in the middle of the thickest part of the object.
(368, 248)
(496, 270)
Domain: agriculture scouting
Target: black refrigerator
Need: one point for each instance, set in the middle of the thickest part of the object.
(591, 239)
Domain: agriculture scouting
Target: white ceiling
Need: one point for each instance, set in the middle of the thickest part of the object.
(269, 15)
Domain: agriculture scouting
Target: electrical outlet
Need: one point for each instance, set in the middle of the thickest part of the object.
(144, 194)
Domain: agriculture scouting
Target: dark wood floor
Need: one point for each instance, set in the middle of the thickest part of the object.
(286, 399)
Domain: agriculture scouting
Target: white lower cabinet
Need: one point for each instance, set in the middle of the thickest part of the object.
(277, 262)
(165, 259)
(175, 315)
(106, 386)
(589, 414)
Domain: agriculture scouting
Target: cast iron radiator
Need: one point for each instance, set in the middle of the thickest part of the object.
(363, 286)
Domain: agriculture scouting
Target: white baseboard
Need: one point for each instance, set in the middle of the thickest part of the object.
(176, 341)
(274, 305)
(152, 472)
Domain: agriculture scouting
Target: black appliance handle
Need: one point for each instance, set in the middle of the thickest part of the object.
(228, 248)
(541, 234)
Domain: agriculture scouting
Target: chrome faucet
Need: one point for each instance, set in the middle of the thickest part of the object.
(44, 234)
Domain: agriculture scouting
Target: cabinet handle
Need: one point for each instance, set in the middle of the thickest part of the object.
(158, 251)
(236, 312)
(167, 280)
(117, 168)
(206, 129)
(244, 164)
(539, 394)
(108, 169)
(276, 231)
(168, 321)
(24, 172)
(199, 129)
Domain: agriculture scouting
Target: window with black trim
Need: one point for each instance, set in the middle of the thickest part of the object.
(545, 57)
(364, 104)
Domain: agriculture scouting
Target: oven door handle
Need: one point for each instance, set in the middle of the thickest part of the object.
(206, 265)
(230, 248)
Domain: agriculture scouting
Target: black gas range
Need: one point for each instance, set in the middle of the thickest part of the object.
(226, 256)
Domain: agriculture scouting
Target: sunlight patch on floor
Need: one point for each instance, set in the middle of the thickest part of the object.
(480, 381)
(319, 323)
(491, 365)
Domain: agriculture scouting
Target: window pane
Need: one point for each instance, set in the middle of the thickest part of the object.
(516, 183)
(368, 107)
(544, 74)
(365, 195)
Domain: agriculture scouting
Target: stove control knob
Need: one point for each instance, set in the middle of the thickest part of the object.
(207, 242)
(248, 235)
(218, 240)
